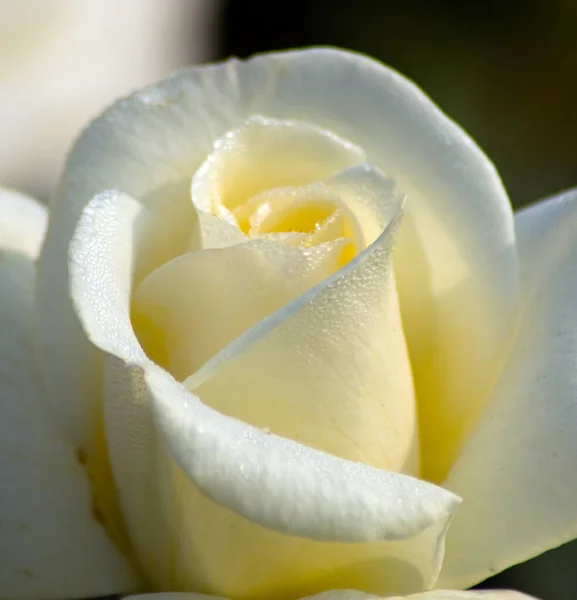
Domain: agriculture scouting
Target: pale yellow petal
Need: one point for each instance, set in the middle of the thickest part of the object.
(210, 231)
(194, 306)
(264, 154)
(329, 370)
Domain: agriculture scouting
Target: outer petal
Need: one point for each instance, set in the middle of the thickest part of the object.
(246, 476)
(22, 226)
(517, 471)
(74, 375)
(51, 546)
(473, 595)
(456, 264)
(356, 595)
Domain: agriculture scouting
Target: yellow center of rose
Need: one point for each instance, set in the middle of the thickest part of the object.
(268, 178)
(302, 217)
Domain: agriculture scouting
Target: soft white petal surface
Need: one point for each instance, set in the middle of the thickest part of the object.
(517, 471)
(74, 374)
(456, 269)
(371, 197)
(433, 595)
(22, 224)
(472, 595)
(278, 483)
(341, 595)
(356, 595)
(51, 544)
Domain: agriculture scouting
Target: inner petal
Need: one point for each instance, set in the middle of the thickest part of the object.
(356, 203)
(192, 307)
(188, 314)
(329, 370)
(314, 213)
(266, 154)
(292, 213)
(195, 305)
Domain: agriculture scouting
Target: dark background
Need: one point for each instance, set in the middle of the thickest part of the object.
(505, 70)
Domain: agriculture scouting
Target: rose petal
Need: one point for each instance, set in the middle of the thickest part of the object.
(51, 546)
(265, 154)
(75, 372)
(356, 595)
(192, 307)
(472, 595)
(433, 595)
(22, 225)
(517, 471)
(329, 370)
(372, 197)
(456, 260)
(242, 475)
(332, 595)
(213, 232)
(341, 595)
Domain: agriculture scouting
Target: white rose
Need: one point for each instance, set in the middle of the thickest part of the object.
(273, 407)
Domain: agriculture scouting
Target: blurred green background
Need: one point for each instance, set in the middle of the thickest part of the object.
(504, 70)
